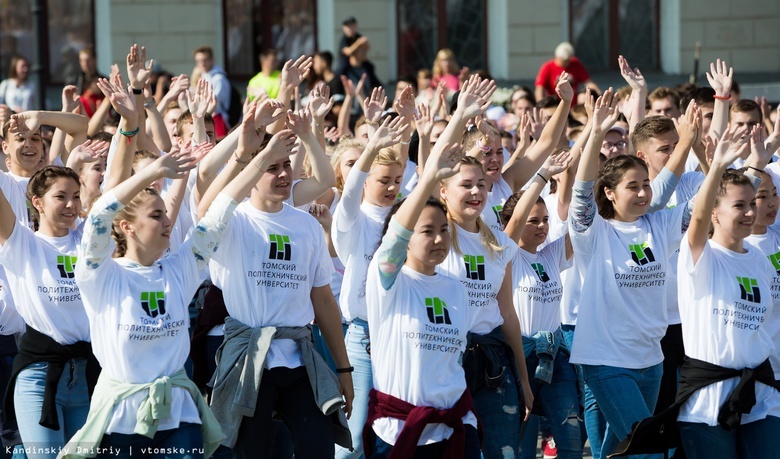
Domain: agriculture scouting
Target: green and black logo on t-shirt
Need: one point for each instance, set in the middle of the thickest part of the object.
(475, 267)
(66, 264)
(497, 210)
(775, 259)
(153, 303)
(641, 253)
(280, 247)
(749, 290)
(539, 268)
(437, 311)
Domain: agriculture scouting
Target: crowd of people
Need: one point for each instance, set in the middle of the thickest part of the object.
(315, 271)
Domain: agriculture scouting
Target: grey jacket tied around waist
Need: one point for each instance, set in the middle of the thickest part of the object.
(546, 345)
(239, 371)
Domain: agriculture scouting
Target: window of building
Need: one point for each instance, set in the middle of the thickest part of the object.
(422, 33)
(253, 25)
(69, 28)
(601, 30)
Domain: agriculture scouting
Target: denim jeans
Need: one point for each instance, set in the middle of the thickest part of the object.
(625, 396)
(287, 392)
(356, 340)
(560, 404)
(498, 406)
(72, 405)
(595, 425)
(185, 442)
(755, 440)
(434, 450)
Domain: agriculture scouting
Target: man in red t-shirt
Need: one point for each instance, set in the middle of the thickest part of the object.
(551, 70)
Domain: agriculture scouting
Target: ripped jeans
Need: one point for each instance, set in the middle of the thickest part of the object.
(560, 403)
(497, 399)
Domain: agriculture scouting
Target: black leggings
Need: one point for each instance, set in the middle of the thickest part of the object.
(287, 392)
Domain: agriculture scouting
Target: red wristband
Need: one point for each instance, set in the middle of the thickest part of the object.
(716, 97)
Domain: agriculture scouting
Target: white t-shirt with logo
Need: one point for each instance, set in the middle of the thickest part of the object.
(725, 305)
(418, 327)
(356, 233)
(482, 273)
(622, 308)
(537, 287)
(41, 276)
(769, 244)
(497, 196)
(266, 266)
(138, 315)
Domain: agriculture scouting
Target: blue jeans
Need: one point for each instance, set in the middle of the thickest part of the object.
(595, 425)
(72, 407)
(498, 406)
(356, 340)
(434, 450)
(755, 440)
(185, 442)
(560, 404)
(625, 396)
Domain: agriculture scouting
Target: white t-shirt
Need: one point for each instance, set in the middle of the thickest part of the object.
(622, 308)
(41, 277)
(356, 233)
(769, 245)
(497, 196)
(138, 315)
(10, 320)
(537, 287)
(266, 266)
(15, 189)
(482, 274)
(725, 305)
(418, 327)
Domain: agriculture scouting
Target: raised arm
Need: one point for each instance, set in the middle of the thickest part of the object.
(720, 78)
(322, 175)
(605, 114)
(155, 126)
(373, 107)
(524, 168)
(199, 103)
(688, 129)
(728, 149)
(404, 106)
(424, 121)
(636, 102)
(125, 104)
(293, 74)
(351, 92)
(553, 165)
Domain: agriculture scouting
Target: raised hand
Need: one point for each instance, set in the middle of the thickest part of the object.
(199, 151)
(474, 98)
(249, 140)
(179, 84)
(267, 112)
(322, 214)
(137, 70)
(332, 133)
(720, 78)
(70, 98)
(440, 105)
(633, 77)
(350, 89)
(299, 123)
(424, 121)
(121, 101)
(758, 146)
(25, 122)
(89, 151)
(387, 134)
(281, 146)
(374, 106)
(175, 165)
(523, 130)
(293, 73)
(488, 133)
(199, 102)
(404, 104)
(563, 87)
(732, 145)
(557, 163)
(589, 103)
(445, 163)
(773, 141)
(535, 123)
(689, 126)
(320, 102)
(605, 112)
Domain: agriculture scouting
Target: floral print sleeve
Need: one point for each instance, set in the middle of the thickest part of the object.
(391, 254)
(583, 206)
(96, 243)
(205, 236)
